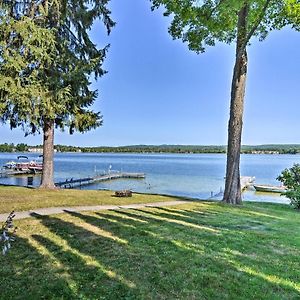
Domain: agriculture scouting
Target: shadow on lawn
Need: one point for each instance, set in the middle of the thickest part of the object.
(28, 274)
(158, 253)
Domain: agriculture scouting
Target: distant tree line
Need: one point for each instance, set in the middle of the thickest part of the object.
(13, 148)
(260, 149)
(158, 149)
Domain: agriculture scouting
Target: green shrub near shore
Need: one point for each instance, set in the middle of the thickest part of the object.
(290, 178)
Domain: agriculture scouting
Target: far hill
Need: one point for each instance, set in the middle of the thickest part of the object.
(246, 149)
(258, 149)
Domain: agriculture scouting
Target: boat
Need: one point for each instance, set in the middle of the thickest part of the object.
(22, 165)
(32, 166)
(35, 166)
(269, 188)
(10, 165)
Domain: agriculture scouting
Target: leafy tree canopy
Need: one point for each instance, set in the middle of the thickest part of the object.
(202, 23)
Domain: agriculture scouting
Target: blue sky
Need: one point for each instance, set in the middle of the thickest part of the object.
(158, 92)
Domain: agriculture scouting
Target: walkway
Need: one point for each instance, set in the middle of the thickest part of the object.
(59, 210)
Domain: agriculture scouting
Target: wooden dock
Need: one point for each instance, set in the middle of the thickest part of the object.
(72, 183)
(246, 181)
(6, 173)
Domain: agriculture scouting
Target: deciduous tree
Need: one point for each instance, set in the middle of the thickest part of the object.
(203, 23)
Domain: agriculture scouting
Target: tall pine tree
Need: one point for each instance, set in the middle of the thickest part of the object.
(66, 79)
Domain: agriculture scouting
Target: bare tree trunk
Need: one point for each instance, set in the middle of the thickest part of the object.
(232, 193)
(48, 149)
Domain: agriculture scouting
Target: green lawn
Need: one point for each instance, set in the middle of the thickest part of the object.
(20, 198)
(202, 250)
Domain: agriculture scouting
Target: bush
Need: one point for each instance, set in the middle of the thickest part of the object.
(8, 233)
(291, 180)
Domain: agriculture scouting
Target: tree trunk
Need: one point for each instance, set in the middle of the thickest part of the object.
(232, 193)
(48, 149)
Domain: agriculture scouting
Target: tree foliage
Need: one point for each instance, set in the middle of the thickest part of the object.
(204, 23)
(25, 51)
(292, 11)
(56, 78)
(65, 63)
(291, 179)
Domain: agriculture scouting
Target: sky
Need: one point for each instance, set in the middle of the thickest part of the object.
(157, 92)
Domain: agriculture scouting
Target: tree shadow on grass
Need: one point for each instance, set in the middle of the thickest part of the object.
(76, 248)
(26, 273)
(178, 222)
(239, 246)
(186, 213)
(148, 261)
(134, 254)
(170, 253)
(214, 234)
(90, 279)
(216, 218)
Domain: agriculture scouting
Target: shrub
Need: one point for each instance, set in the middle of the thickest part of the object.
(8, 233)
(291, 180)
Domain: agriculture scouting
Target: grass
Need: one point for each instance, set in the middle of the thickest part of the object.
(21, 199)
(203, 250)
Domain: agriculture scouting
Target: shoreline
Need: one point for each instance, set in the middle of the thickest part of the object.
(152, 153)
(148, 149)
(179, 197)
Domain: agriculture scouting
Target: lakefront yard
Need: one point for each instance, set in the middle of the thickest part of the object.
(198, 250)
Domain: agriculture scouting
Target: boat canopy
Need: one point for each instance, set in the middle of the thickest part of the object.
(22, 156)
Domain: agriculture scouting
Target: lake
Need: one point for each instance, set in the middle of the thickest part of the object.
(192, 175)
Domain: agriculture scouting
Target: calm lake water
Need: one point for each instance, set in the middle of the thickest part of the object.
(193, 175)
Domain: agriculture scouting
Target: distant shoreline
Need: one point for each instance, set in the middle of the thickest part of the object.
(148, 149)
